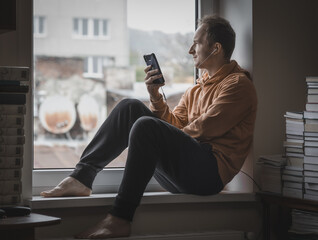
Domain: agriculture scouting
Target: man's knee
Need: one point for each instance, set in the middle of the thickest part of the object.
(145, 127)
(130, 102)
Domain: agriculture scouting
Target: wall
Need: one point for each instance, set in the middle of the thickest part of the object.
(239, 14)
(16, 50)
(61, 41)
(284, 53)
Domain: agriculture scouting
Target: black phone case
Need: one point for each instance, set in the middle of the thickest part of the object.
(151, 59)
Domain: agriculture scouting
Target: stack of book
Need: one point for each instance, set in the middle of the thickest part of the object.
(311, 140)
(294, 151)
(304, 225)
(13, 90)
(271, 172)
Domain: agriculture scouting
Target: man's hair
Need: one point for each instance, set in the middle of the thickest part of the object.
(219, 30)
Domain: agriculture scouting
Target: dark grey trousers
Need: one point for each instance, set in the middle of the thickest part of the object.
(178, 162)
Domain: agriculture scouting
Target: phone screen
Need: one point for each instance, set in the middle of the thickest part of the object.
(151, 59)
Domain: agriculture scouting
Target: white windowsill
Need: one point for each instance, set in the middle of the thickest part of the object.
(96, 200)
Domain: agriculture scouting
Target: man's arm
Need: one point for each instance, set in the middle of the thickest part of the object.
(159, 107)
(232, 105)
(178, 117)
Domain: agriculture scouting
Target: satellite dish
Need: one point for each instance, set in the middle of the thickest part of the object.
(57, 114)
(88, 111)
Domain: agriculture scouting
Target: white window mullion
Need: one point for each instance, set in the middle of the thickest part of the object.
(80, 27)
(100, 33)
(90, 27)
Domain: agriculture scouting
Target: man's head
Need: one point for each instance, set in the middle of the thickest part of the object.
(214, 37)
(219, 30)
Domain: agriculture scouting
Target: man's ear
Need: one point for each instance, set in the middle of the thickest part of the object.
(217, 47)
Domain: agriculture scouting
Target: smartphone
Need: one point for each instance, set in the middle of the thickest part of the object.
(151, 59)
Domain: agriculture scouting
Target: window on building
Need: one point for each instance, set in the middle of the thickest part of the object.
(90, 28)
(78, 83)
(39, 26)
(93, 66)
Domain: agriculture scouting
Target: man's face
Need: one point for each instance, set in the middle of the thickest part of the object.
(200, 49)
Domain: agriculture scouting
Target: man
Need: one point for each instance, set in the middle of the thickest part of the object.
(197, 148)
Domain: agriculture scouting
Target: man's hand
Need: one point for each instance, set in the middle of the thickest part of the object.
(153, 88)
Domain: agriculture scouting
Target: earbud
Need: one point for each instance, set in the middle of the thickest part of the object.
(207, 57)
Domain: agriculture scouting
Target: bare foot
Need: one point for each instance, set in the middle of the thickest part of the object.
(110, 227)
(68, 187)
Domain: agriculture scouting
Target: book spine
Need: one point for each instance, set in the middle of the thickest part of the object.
(12, 98)
(10, 187)
(10, 199)
(11, 162)
(14, 89)
(14, 73)
(11, 131)
(12, 140)
(10, 174)
(11, 121)
(9, 83)
(11, 150)
(12, 109)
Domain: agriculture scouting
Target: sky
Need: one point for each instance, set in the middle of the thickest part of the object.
(169, 16)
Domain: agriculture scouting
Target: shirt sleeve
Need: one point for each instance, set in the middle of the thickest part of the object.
(178, 117)
(228, 109)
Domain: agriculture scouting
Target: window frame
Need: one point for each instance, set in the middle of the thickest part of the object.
(90, 28)
(36, 26)
(109, 179)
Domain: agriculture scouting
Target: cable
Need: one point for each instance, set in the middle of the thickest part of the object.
(259, 188)
(163, 93)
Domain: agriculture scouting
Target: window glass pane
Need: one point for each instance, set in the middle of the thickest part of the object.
(75, 26)
(85, 27)
(79, 81)
(96, 27)
(105, 27)
(35, 20)
(86, 65)
(41, 25)
(95, 64)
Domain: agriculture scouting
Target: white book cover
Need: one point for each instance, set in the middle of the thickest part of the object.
(311, 134)
(293, 172)
(312, 79)
(310, 173)
(309, 127)
(312, 192)
(288, 184)
(292, 178)
(311, 159)
(311, 151)
(311, 179)
(310, 167)
(312, 98)
(310, 197)
(310, 114)
(294, 149)
(311, 186)
(297, 115)
(311, 143)
(292, 192)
